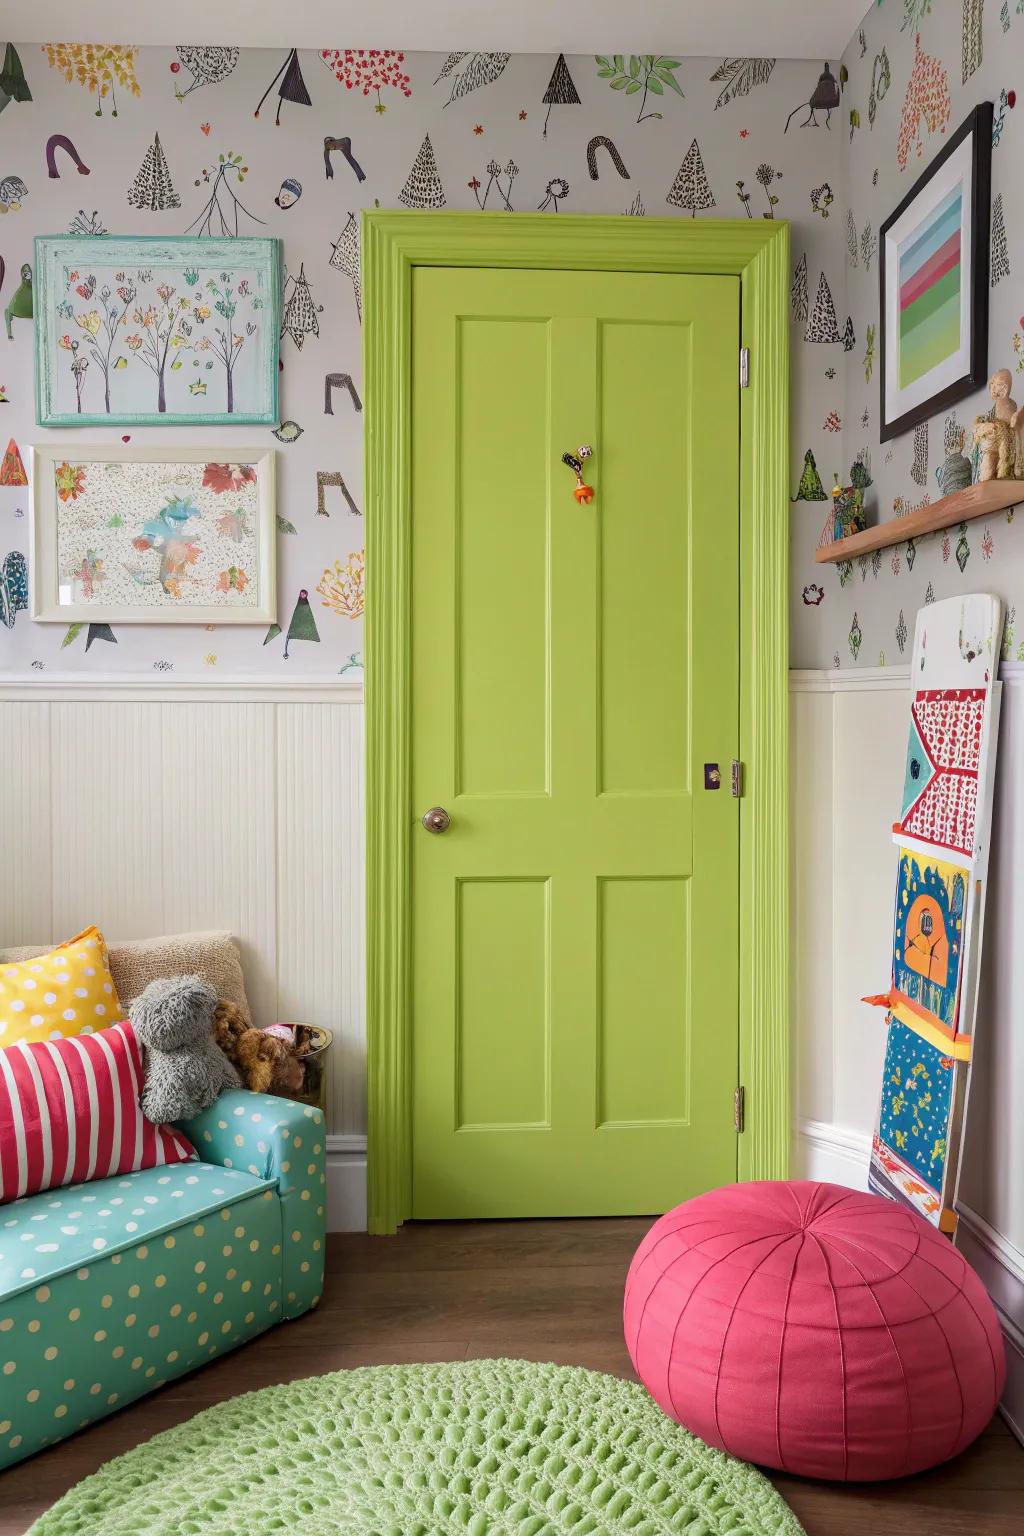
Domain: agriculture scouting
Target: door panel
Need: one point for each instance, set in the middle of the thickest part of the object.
(501, 539)
(502, 1046)
(643, 1004)
(643, 594)
(575, 931)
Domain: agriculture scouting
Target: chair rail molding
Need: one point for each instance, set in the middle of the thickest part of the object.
(104, 687)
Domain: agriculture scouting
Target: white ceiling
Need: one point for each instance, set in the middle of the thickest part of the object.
(798, 29)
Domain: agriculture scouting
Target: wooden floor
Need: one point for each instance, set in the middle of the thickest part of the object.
(541, 1290)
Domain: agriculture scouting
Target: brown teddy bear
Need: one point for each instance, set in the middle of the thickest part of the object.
(265, 1063)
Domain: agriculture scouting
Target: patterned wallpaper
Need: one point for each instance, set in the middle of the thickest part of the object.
(915, 69)
(665, 137)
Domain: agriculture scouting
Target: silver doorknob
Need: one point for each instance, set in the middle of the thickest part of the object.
(436, 819)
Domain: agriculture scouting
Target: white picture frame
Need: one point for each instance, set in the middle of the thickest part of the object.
(137, 575)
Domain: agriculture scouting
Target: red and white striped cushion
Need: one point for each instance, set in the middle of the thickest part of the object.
(69, 1111)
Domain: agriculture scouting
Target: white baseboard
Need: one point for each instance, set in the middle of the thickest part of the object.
(346, 1183)
(832, 1154)
(1000, 1264)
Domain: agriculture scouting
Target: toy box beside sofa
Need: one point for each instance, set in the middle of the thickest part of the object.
(110, 1288)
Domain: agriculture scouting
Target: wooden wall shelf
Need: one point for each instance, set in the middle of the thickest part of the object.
(963, 506)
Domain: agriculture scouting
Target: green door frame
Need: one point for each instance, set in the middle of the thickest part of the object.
(393, 243)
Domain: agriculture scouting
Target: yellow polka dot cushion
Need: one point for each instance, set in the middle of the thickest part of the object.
(67, 991)
(112, 1288)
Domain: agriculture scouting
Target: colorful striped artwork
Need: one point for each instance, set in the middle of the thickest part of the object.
(930, 277)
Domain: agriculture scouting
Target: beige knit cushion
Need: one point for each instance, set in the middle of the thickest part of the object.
(136, 962)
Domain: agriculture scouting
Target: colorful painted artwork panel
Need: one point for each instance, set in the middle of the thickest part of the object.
(156, 535)
(917, 1095)
(928, 938)
(890, 1175)
(929, 290)
(940, 788)
(131, 536)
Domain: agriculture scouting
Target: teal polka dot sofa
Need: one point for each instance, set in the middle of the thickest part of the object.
(110, 1289)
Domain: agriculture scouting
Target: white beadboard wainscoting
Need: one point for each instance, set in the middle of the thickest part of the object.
(848, 732)
(160, 807)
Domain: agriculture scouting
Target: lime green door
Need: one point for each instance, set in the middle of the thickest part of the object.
(574, 989)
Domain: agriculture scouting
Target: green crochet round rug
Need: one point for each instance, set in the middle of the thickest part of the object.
(477, 1448)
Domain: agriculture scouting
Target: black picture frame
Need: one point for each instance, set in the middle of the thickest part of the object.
(978, 126)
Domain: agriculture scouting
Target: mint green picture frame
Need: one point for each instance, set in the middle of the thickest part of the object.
(176, 254)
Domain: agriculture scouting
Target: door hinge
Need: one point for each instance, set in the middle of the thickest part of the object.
(744, 367)
(737, 778)
(738, 1109)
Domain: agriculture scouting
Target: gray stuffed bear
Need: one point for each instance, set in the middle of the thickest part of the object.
(185, 1068)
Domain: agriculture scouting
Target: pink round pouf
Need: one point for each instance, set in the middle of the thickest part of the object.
(814, 1329)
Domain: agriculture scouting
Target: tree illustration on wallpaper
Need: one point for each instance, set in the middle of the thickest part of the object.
(341, 587)
(368, 70)
(849, 335)
(99, 67)
(13, 587)
(481, 69)
(810, 487)
(345, 258)
(868, 245)
(1000, 259)
(423, 188)
(223, 204)
(798, 299)
(927, 102)
(691, 189)
(93, 632)
(299, 319)
(13, 85)
(153, 188)
(972, 43)
(738, 77)
(301, 627)
(822, 325)
(646, 72)
(881, 80)
(919, 468)
(561, 91)
(290, 87)
(207, 64)
(914, 12)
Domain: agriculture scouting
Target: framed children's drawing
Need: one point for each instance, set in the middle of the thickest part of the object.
(148, 331)
(152, 536)
(933, 282)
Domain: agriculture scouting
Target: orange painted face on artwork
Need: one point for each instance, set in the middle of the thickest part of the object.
(926, 945)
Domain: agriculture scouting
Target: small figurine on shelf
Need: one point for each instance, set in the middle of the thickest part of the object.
(1017, 428)
(956, 468)
(847, 510)
(999, 386)
(998, 443)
